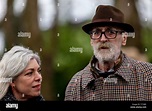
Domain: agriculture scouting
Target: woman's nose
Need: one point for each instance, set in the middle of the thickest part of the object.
(38, 76)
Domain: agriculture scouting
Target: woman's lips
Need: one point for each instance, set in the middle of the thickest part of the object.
(38, 87)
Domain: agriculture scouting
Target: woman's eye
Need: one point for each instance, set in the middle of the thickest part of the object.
(39, 71)
(29, 73)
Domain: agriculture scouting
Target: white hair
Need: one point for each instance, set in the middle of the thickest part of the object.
(12, 64)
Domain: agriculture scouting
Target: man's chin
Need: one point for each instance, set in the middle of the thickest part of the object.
(105, 51)
(104, 57)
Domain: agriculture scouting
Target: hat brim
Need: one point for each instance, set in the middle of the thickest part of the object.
(126, 27)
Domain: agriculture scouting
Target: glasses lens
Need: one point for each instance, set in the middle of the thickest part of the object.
(110, 33)
(95, 34)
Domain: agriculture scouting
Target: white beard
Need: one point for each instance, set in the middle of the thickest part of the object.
(106, 55)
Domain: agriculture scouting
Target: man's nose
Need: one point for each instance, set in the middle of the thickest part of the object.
(103, 37)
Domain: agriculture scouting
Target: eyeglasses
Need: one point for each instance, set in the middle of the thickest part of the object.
(109, 34)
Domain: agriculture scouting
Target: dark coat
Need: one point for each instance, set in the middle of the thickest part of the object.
(10, 97)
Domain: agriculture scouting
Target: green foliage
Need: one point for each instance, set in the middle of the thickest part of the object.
(68, 60)
(147, 41)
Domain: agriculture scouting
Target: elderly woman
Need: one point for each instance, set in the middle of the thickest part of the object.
(20, 77)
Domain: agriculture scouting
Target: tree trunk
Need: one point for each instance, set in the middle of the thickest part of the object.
(128, 7)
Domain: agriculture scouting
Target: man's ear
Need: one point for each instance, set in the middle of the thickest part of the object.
(91, 42)
(124, 38)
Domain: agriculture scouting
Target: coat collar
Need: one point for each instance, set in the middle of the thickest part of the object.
(124, 70)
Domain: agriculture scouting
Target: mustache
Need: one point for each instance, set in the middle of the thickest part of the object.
(104, 45)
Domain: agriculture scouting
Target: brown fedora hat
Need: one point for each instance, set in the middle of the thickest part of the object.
(107, 15)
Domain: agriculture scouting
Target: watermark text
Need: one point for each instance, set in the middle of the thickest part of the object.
(5, 80)
(24, 34)
(76, 49)
(12, 105)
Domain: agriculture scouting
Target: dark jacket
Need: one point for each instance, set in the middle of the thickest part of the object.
(10, 97)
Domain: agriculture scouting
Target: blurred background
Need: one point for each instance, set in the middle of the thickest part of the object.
(53, 29)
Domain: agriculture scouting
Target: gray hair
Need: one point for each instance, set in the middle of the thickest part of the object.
(12, 64)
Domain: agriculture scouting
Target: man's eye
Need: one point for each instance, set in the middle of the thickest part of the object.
(111, 31)
(96, 32)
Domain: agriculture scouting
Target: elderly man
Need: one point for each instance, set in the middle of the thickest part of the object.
(110, 75)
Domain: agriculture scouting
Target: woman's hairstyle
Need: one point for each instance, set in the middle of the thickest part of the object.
(12, 64)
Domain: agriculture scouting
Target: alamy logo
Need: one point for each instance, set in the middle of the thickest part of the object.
(5, 80)
(11, 105)
(76, 49)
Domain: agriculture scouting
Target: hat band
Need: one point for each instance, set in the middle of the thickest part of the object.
(106, 20)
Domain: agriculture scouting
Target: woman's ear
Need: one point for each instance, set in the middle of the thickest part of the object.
(12, 84)
(124, 38)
